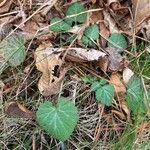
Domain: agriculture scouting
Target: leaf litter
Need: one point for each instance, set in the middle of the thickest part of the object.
(101, 46)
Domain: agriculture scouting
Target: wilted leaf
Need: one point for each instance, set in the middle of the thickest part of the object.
(15, 109)
(13, 50)
(141, 10)
(115, 79)
(47, 62)
(75, 13)
(105, 94)
(90, 35)
(60, 120)
(58, 25)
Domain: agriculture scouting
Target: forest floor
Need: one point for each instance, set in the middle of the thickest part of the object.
(90, 59)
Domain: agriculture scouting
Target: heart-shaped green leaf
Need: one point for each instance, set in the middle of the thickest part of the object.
(105, 94)
(58, 25)
(117, 40)
(13, 50)
(90, 35)
(58, 121)
(75, 13)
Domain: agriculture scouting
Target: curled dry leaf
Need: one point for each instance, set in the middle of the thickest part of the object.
(141, 10)
(15, 109)
(115, 79)
(127, 74)
(86, 54)
(47, 62)
(52, 88)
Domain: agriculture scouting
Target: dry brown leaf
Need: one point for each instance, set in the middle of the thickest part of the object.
(86, 54)
(47, 62)
(141, 10)
(15, 109)
(115, 59)
(30, 29)
(53, 87)
(127, 74)
(104, 32)
(115, 79)
(103, 64)
(111, 24)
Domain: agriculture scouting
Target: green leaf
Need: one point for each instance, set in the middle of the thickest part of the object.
(13, 49)
(58, 25)
(105, 94)
(117, 40)
(103, 82)
(58, 121)
(135, 95)
(76, 10)
(91, 34)
(98, 84)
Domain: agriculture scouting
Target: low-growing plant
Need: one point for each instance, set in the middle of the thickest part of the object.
(90, 35)
(104, 91)
(60, 120)
(75, 13)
